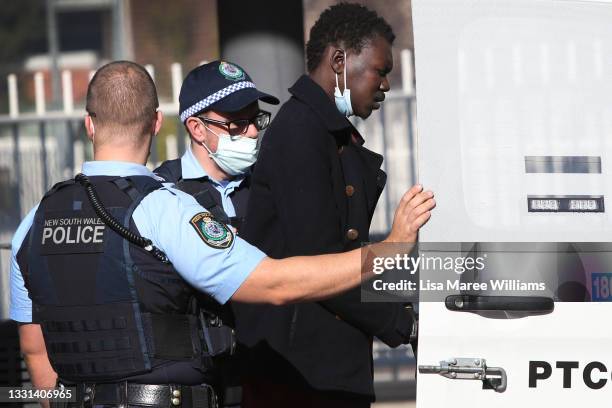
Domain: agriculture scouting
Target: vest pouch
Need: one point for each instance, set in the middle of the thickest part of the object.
(98, 342)
(173, 336)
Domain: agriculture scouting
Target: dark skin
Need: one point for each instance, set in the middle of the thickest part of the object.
(366, 74)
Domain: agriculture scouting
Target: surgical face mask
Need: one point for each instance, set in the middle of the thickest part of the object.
(235, 154)
(343, 100)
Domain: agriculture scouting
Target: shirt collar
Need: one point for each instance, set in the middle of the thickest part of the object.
(192, 169)
(190, 166)
(116, 168)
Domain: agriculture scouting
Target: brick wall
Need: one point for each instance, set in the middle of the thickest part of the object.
(164, 32)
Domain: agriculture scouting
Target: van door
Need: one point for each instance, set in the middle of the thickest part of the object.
(514, 101)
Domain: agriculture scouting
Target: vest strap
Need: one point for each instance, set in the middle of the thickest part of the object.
(169, 336)
(124, 185)
(206, 200)
(58, 186)
(236, 222)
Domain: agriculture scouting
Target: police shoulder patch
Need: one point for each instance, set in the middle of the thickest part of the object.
(214, 233)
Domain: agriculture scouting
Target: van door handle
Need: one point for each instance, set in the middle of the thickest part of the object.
(500, 306)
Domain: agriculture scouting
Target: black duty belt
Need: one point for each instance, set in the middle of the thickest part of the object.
(125, 394)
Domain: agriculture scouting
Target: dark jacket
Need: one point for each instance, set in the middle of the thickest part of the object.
(313, 191)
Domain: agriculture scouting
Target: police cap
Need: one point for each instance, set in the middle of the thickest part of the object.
(219, 85)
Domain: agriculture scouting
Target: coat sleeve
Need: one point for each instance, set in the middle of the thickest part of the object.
(293, 180)
(389, 322)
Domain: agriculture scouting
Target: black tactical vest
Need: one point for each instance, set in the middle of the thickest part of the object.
(206, 194)
(108, 309)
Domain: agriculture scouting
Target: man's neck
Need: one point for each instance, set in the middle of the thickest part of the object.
(210, 167)
(124, 155)
(324, 81)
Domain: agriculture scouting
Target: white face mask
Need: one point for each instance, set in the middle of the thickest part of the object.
(235, 154)
(343, 101)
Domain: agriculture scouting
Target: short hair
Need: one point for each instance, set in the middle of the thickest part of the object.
(121, 96)
(347, 24)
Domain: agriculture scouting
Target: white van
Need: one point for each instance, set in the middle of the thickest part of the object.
(515, 138)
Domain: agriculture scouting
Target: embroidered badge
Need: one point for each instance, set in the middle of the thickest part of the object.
(212, 232)
(230, 71)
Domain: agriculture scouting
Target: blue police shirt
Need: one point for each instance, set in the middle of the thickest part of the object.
(192, 169)
(164, 217)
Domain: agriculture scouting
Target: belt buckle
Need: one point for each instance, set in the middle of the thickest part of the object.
(213, 399)
(88, 390)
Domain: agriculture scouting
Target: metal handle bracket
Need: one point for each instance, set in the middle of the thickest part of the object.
(493, 378)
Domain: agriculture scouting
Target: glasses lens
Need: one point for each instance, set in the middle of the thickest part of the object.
(262, 120)
(238, 127)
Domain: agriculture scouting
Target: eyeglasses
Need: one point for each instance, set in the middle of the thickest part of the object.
(240, 126)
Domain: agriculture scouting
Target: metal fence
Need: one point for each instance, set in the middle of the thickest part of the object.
(40, 148)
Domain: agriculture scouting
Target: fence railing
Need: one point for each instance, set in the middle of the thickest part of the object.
(42, 147)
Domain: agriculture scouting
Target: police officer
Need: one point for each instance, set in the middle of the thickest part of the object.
(218, 103)
(108, 271)
(220, 110)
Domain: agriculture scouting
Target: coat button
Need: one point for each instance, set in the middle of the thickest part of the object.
(350, 190)
(352, 234)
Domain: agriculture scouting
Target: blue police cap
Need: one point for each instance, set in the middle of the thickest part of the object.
(219, 85)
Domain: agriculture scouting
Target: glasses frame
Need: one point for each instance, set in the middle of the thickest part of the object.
(228, 123)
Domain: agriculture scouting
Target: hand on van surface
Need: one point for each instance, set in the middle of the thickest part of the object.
(412, 212)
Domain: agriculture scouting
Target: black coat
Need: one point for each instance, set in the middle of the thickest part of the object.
(313, 191)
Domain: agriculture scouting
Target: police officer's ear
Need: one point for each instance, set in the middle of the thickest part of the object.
(159, 118)
(196, 129)
(89, 127)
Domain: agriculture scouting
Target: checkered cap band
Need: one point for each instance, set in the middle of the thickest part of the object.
(217, 96)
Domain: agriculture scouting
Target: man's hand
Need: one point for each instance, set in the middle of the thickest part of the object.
(413, 211)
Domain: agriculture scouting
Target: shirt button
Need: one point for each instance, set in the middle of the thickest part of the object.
(350, 190)
(352, 234)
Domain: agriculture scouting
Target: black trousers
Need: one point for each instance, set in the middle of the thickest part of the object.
(260, 393)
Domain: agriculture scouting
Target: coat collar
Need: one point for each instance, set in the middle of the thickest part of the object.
(309, 92)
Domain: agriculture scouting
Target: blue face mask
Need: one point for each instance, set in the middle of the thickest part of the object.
(343, 100)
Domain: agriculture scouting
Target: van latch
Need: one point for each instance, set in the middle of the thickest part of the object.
(493, 378)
